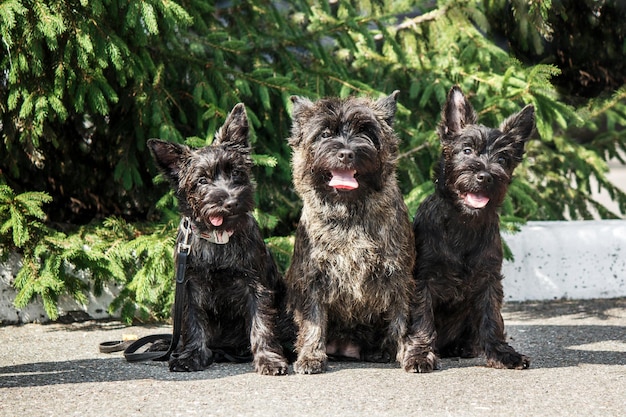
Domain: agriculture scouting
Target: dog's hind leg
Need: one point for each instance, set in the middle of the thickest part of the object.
(457, 332)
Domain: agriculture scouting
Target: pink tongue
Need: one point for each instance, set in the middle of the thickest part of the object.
(343, 179)
(216, 220)
(476, 200)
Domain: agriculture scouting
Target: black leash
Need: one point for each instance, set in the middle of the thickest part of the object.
(130, 353)
(179, 299)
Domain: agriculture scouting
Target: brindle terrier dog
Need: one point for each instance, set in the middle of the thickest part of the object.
(233, 290)
(349, 284)
(457, 236)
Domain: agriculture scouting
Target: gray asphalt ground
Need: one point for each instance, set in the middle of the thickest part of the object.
(579, 369)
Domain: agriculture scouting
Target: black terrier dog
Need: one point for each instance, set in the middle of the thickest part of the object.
(349, 284)
(457, 236)
(233, 288)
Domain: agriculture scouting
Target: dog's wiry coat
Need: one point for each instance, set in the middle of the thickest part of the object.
(457, 235)
(233, 289)
(350, 281)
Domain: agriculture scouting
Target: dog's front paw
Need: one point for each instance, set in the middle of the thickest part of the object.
(509, 360)
(190, 361)
(421, 363)
(312, 364)
(265, 365)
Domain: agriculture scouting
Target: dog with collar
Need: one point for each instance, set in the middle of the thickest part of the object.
(233, 291)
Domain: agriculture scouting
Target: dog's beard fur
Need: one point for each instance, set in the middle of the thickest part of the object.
(233, 290)
(459, 250)
(349, 280)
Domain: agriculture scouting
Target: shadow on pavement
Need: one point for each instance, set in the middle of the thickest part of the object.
(560, 346)
(555, 334)
(602, 309)
(553, 346)
(105, 370)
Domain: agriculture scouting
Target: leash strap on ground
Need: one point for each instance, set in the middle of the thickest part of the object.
(131, 355)
(179, 300)
(130, 349)
(114, 346)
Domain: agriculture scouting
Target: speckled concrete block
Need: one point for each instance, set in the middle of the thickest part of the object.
(96, 307)
(573, 259)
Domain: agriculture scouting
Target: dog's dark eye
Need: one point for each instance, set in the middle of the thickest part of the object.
(326, 134)
(238, 176)
(502, 160)
(203, 181)
(468, 151)
(370, 135)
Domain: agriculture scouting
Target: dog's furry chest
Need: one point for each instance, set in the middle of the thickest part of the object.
(346, 261)
(357, 262)
(457, 255)
(235, 255)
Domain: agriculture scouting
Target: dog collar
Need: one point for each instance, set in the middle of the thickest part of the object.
(217, 236)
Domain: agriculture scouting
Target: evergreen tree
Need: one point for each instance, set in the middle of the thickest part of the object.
(83, 85)
(586, 39)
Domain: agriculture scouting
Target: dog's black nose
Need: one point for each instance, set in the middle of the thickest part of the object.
(484, 177)
(218, 196)
(231, 204)
(345, 155)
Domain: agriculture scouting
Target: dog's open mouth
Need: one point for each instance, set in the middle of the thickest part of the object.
(217, 235)
(475, 200)
(223, 220)
(216, 220)
(343, 179)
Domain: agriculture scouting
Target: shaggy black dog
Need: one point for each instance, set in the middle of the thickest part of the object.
(349, 283)
(233, 288)
(457, 236)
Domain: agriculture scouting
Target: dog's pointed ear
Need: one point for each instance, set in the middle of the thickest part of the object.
(388, 106)
(235, 130)
(520, 125)
(169, 157)
(299, 105)
(457, 113)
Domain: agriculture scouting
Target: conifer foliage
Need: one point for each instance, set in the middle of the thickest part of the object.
(84, 84)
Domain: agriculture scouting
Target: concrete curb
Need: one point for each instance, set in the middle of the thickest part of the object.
(35, 313)
(553, 260)
(570, 260)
